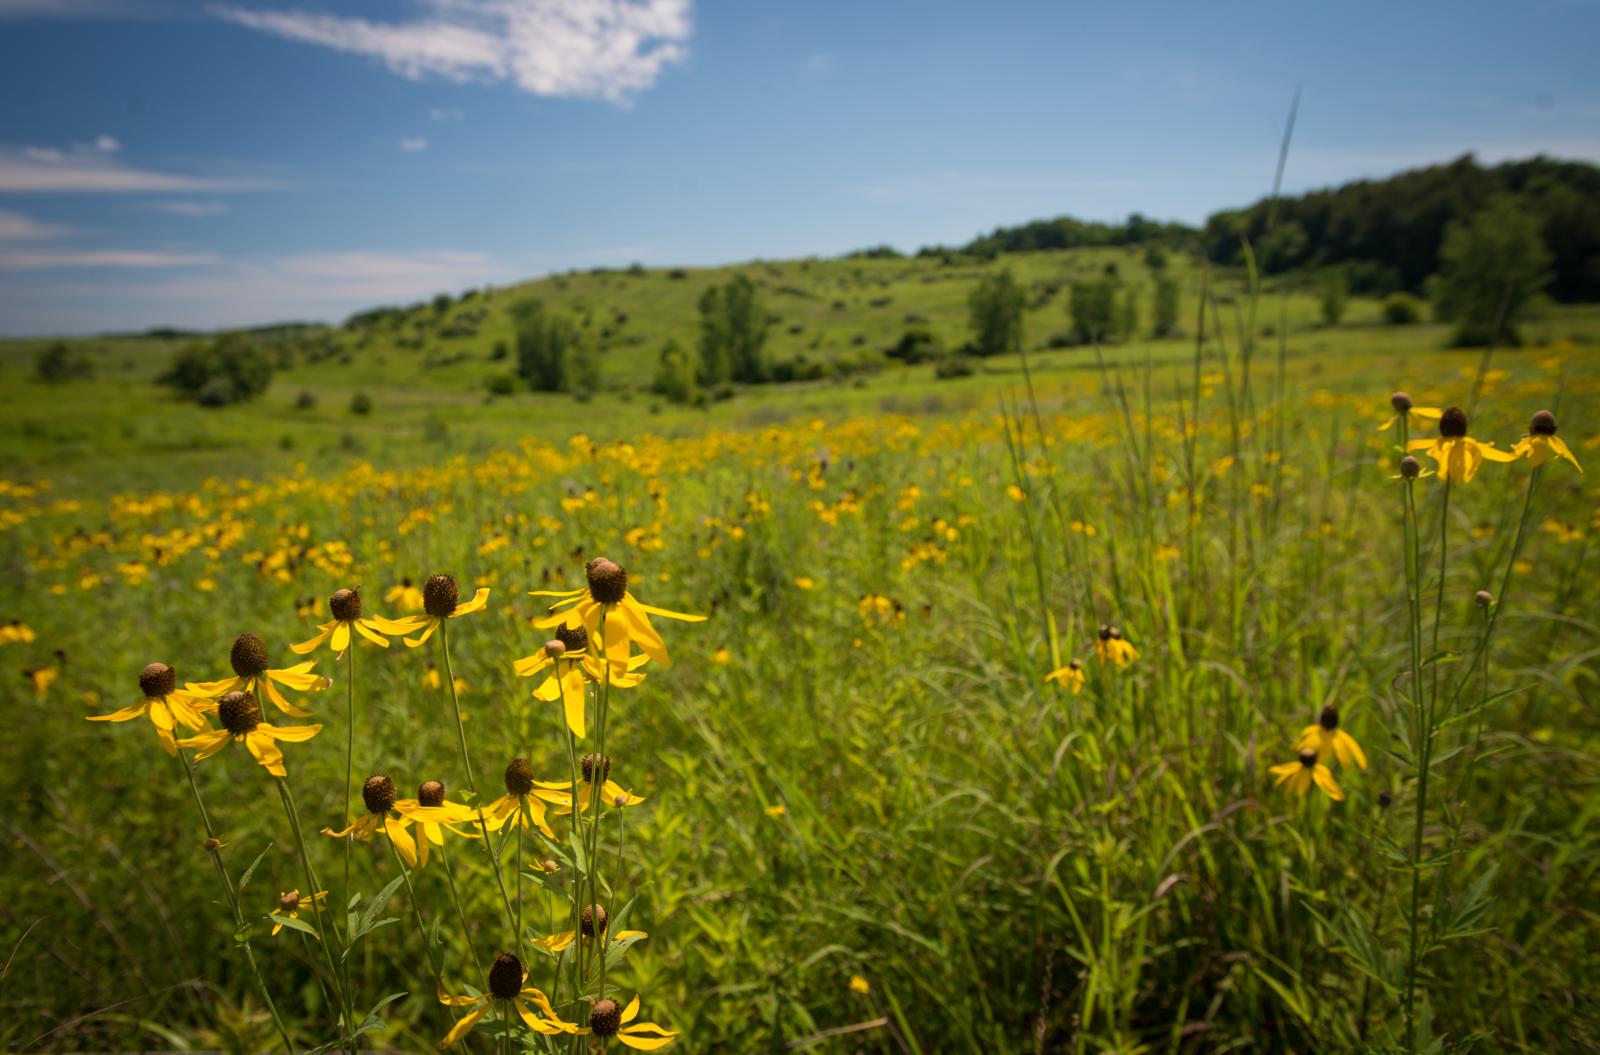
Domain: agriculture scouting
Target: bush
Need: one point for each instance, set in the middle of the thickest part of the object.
(916, 345)
(216, 373)
(733, 333)
(361, 403)
(500, 351)
(501, 384)
(1401, 309)
(952, 366)
(674, 374)
(1094, 308)
(1490, 269)
(1334, 289)
(1166, 307)
(548, 349)
(305, 400)
(59, 364)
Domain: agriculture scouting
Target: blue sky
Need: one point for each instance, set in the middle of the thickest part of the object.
(230, 163)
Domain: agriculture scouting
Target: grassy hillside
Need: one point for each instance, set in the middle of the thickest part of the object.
(429, 390)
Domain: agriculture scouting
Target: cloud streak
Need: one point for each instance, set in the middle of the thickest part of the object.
(590, 49)
(15, 227)
(90, 169)
(49, 259)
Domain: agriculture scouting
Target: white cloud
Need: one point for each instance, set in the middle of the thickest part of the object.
(598, 49)
(188, 208)
(445, 113)
(69, 9)
(15, 227)
(43, 259)
(107, 144)
(90, 169)
(414, 145)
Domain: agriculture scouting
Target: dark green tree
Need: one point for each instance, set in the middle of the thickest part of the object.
(674, 379)
(546, 341)
(226, 370)
(1333, 289)
(1166, 307)
(1490, 269)
(1093, 308)
(995, 314)
(58, 364)
(733, 334)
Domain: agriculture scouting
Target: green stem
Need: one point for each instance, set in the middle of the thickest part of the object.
(233, 901)
(334, 976)
(461, 915)
(349, 777)
(472, 784)
(416, 909)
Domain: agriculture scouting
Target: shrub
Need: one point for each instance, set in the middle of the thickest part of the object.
(59, 364)
(216, 373)
(916, 345)
(361, 403)
(1490, 269)
(1093, 308)
(674, 374)
(1334, 289)
(1166, 307)
(952, 366)
(733, 333)
(546, 345)
(501, 384)
(305, 400)
(1401, 309)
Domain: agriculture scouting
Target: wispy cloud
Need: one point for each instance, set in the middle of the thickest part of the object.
(48, 259)
(414, 145)
(445, 113)
(192, 209)
(598, 49)
(85, 168)
(15, 227)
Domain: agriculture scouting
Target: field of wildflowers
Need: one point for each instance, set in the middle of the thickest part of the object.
(1204, 706)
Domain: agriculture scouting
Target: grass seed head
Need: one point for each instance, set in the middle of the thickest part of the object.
(1543, 424)
(590, 761)
(608, 581)
(239, 713)
(1453, 423)
(345, 604)
(588, 917)
(249, 656)
(519, 776)
(431, 793)
(157, 679)
(378, 793)
(505, 977)
(439, 596)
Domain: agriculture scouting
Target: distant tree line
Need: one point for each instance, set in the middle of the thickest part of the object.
(1067, 232)
(1389, 234)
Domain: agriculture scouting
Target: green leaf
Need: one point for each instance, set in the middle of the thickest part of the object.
(244, 880)
(241, 934)
(295, 924)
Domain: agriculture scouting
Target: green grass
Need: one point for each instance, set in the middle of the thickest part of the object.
(1010, 866)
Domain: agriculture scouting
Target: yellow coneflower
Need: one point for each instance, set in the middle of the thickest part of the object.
(1070, 676)
(574, 666)
(378, 794)
(440, 601)
(858, 984)
(42, 678)
(163, 704)
(627, 619)
(404, 596)
(432, 816)
(611, 793)
(875, 608)
(291, 904)
(523, 803)
(240, 716)
(345, 605)
(1112, 648)
(1458, 455)
(1405, 410)
(15, 632)
(505, 986)
(607, 1020)
(1541, 444)
(1299, 776)
(1329, 741)
(250, 663)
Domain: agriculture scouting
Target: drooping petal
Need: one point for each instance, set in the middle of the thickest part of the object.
(185, 710)
(280, 701)
(133, 710)
(459, 1001)
(631, 1012)
(300, 678)
(395, 829)
(664, 613)
(295, 734)
(1559, 446)
(422, 639)
(462, 1028)
(572, 704)
(367, 632)
(212, 689)
(207, 743)
(266, 751)
(633, 1037)
(479, 599)
(528, 666)
(1324, 778)
(1345, 746)
(306, 647)
(395, 626)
